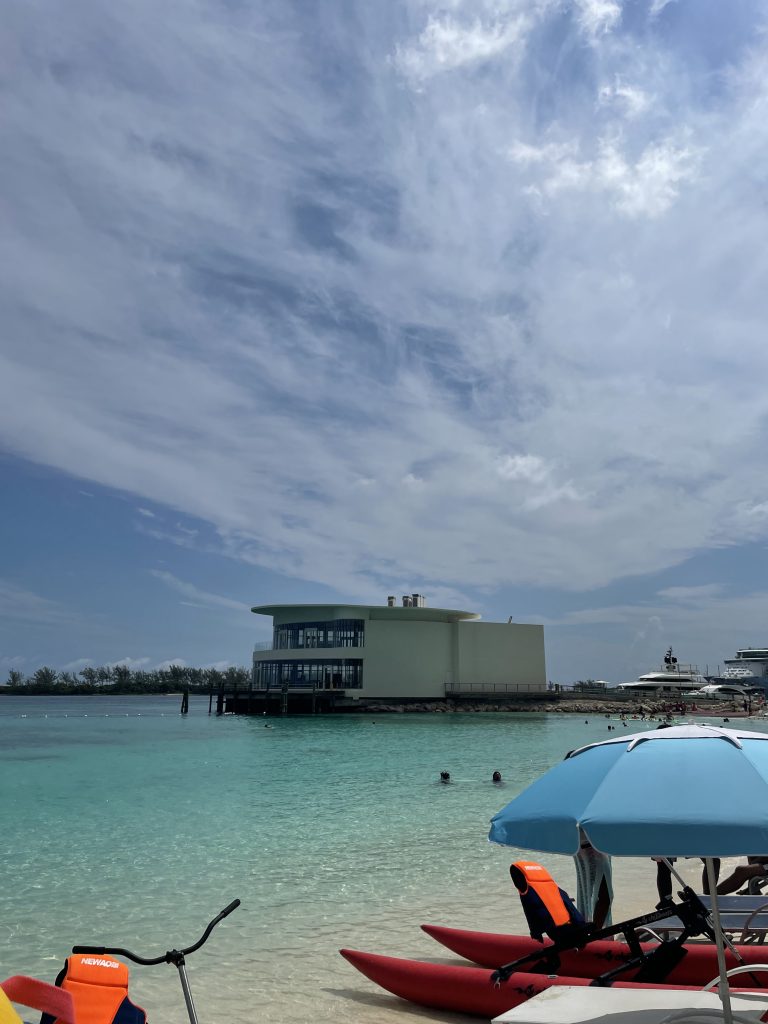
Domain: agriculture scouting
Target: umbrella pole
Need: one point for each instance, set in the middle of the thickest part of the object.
(725, 995)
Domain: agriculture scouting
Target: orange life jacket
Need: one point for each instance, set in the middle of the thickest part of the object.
(99, 989)
(546, 888)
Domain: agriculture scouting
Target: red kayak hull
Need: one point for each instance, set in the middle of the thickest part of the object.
(461, 989)
(698, 967)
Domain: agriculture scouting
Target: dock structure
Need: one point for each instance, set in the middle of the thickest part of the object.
(282, 701)
(246, 700)
(285, 701)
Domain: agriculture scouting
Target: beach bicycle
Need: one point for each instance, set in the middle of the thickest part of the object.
(177, 957)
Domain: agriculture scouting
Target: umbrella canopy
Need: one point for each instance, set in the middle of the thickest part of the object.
(691, 790)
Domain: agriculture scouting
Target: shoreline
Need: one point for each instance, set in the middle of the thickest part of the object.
(636, 710)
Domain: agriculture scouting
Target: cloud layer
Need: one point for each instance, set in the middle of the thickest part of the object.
(465, 295)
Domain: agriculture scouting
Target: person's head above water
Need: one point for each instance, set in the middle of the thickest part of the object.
(445, 776)
(496, 777)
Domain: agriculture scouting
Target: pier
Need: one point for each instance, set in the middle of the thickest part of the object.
(247, 700)
(316, 700)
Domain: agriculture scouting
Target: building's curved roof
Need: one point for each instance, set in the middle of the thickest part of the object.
(374, 611)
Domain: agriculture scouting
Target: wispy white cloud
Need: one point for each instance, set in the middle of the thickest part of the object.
(646, 187)
(295, 279)
(10, 662)
(539, 478)
(598, 17)
(446, 43)
(632, 100)
(687, 595)
(20, 605)
(175, 534)
(199, 598)
(169, 663)
(77, 664)
(657, 6)
(146, 513)
(523, 467)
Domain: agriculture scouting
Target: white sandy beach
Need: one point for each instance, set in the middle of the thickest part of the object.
(301, 978)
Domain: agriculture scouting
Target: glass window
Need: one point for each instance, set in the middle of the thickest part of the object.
(335, 633)
(318, 674)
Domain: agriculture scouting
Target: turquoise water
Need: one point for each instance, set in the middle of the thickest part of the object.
(128, 824)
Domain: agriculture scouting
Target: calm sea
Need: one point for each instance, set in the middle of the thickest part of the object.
(127, 824)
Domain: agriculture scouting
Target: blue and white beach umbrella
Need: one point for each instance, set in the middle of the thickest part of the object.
(689, 790)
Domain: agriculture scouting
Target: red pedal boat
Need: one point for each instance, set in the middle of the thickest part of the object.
(698, 967)
(463, 989)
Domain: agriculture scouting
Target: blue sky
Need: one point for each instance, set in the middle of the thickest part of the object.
(326, 302)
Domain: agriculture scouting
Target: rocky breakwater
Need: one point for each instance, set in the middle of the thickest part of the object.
(631, 709)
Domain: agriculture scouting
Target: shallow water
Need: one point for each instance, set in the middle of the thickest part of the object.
(128, 824)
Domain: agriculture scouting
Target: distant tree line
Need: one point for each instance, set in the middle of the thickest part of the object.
(110, 679)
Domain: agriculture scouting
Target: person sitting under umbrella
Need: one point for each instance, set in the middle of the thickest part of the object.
(756, 867)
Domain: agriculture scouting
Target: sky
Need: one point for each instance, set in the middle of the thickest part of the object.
(325, 302)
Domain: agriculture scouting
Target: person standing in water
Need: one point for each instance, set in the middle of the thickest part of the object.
(594, 886)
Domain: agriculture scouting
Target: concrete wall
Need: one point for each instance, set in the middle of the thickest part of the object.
(501, 653)
(406, 659)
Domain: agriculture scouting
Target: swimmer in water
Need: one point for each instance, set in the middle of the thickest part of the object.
(496, 777)
(445, 776)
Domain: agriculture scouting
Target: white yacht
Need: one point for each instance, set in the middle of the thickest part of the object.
(673, 680)
(724, 691)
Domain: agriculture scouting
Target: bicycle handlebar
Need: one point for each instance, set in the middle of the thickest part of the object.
(171, 956)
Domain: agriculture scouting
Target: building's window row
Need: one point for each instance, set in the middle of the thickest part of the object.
(291, 636)
(320, 674)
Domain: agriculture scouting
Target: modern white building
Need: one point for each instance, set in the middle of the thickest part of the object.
(395, 652)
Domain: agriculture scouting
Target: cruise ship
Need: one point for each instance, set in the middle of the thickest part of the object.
(749, 667)
(673, 680)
